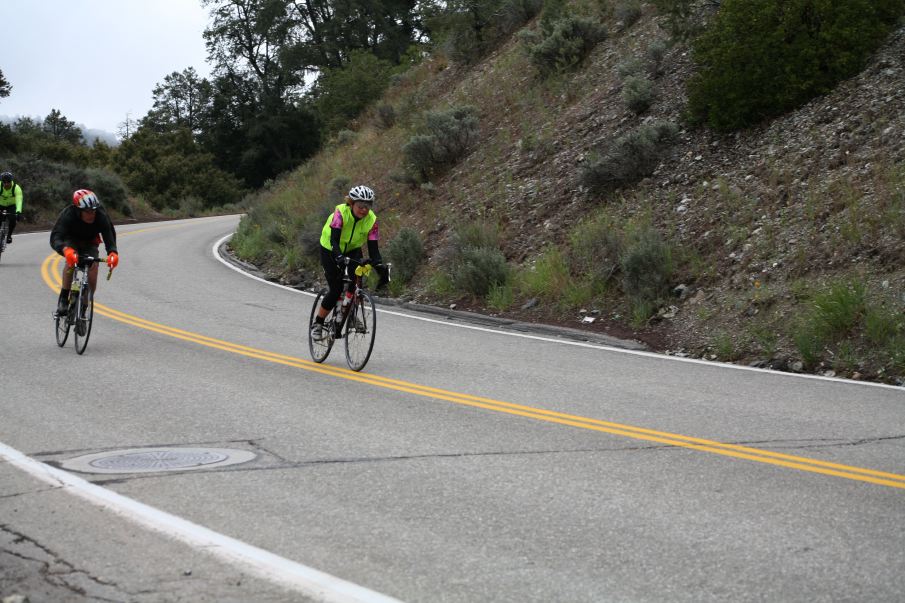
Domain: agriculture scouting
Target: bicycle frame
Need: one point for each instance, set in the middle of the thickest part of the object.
(350, 285)
(80, 311)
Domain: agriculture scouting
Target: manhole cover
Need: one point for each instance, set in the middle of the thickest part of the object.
(151, 460)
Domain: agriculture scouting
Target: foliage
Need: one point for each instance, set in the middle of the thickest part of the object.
(277, 142)
(5, 86)
(448, 136)
(473, 262)
(760, 59)
(683, 18)
(180, 101)
(628, 12)
(596, 247)
(647, 266)
(566, 45)
(386, 115)
(630, 157)
(342, 93)
(479, 270)
(61, 129)
(637, 93)
(548, 277)
(48, 185)
(468, 29)
(165, 168)
(406, 252)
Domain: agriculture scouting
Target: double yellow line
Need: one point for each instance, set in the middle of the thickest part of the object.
(50, 271)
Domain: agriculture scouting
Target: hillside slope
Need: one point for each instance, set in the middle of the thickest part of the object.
(765, 226)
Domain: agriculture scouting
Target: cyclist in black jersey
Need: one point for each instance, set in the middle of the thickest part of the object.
(79, 230)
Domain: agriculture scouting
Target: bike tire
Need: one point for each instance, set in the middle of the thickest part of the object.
(361, 328)
(61, 325)
(4, 230)
(84, 317)
(320, 349)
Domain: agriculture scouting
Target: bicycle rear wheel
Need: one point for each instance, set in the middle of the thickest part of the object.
(361, 325)
(84, 316)
(61, 325)
(320, 348)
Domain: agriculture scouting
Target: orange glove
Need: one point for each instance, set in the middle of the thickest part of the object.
(71, 256)
(112, 260)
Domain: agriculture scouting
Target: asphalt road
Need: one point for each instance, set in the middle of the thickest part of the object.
(465, 463)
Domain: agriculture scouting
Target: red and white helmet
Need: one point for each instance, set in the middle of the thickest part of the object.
(85, 199)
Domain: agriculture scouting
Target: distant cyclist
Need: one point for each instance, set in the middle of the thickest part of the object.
(78, 232)
(344, 234)
(10, 197)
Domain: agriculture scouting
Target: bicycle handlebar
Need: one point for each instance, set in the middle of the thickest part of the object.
(86, 260)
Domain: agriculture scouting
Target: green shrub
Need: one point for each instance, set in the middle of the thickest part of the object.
(309, 225)
(839, 309)
(386, 116)
(831, 315)
(637, 93)
(344, 137)
(500, 297)
(565, 46)
(655, 54)
(549, 275)
(630, 157)
(881, 325)
(472, 262)
(761, 59)
(647, 266)
(478, 270)
(596, 248)
(448, 136)
(109, 188)
(406, 253)
(628, 12)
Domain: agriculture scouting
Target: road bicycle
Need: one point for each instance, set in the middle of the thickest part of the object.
(4, 229)
(80, 314)
(353, 318)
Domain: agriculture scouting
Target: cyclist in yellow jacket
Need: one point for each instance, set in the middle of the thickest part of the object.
(344, 234)
(10, 197)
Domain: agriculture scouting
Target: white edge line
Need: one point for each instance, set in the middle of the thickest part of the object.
(295, 576)
(665, 357)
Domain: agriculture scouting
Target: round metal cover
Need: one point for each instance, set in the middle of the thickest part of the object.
(151, 460)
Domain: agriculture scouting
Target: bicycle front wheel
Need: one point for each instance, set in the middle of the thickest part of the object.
(84, 316)
(4, 230)
(361, 325)
(320, 348)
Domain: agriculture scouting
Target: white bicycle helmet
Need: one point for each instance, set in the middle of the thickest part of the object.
(362, 193)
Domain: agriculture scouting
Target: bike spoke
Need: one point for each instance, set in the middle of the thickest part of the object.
(320, 348)
(360, 329)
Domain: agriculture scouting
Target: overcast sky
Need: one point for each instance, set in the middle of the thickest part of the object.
(96, 60)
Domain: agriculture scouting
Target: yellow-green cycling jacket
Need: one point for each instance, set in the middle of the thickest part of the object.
(354, 232)
(11, 196)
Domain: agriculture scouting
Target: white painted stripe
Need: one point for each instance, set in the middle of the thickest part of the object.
(289, 574)
(665, 357)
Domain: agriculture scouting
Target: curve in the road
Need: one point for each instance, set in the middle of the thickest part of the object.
(50, 273)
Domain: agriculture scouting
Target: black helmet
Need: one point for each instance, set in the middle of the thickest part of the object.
(6, 177)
